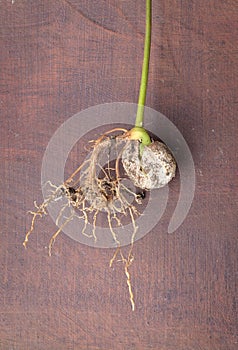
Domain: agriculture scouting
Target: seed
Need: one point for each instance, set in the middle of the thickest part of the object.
(155, 168)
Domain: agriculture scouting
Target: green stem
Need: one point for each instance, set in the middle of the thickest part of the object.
(145, 68)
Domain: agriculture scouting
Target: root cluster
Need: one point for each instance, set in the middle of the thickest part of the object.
(98, 185)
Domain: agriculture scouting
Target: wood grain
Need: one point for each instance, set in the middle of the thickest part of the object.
(60, 57)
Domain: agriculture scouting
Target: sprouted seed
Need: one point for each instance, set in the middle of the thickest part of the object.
(93, 187)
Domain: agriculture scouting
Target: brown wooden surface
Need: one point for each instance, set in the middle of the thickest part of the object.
(60, 57)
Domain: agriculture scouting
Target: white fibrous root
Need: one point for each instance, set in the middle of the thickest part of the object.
(98, 185)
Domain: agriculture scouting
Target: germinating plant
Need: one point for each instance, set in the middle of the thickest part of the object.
(95, 187)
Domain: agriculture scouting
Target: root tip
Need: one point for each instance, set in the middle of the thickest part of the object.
(49, 251)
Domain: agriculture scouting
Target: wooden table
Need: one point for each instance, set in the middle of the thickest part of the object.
(61, 57)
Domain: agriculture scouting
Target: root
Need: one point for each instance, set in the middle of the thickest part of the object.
(94, 225)
(134, 227)
(111, 229)
(94, 187)
(61, 213)
(127, 264)
(101, 138)
(85, 222)
(114, 256)
(52, 240)
(41, 210)
(75, 172)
